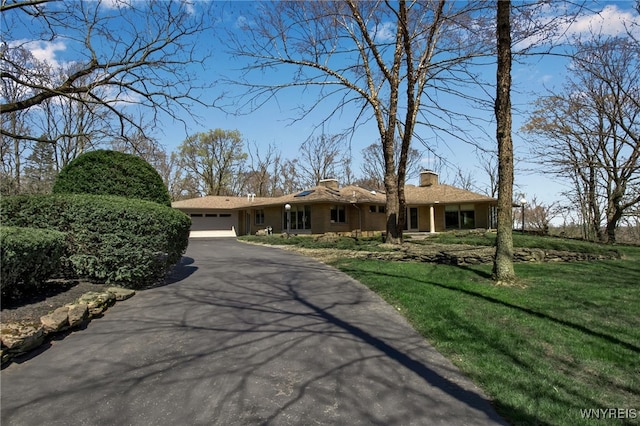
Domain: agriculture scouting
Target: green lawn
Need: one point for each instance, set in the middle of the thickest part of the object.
(567, 338)
(520, 240)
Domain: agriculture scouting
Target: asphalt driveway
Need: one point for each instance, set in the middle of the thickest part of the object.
(244, 335)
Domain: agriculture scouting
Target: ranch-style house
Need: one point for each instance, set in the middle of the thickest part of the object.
(431, 207)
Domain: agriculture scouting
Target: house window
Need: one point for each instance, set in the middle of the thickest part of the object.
(460, 216)
(338, 214)
(300, 217)
(451, 216)
(381, 209)
(467, 216)
(260, 217)
(373, 209)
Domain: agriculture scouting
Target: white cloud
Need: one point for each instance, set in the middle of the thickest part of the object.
(44, 51)
(116, 4)
(385, 32)
(546, 78)
(241, 21)
(609, 21)
(189, 7)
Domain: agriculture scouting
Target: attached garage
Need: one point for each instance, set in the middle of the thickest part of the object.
(214, 221)
(212, 216)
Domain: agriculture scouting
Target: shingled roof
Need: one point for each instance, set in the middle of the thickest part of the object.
(415, 195)
(216, 202)
(322, 194)
(442, 194)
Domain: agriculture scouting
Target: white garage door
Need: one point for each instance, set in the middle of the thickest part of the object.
(213, 221)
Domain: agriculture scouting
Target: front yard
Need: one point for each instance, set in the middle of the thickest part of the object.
(562, 343)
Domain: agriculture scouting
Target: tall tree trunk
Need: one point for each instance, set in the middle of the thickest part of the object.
(503, 262)
(614, 212)
(612, 225)
(594, 205)
(18, 172)
(391, 186)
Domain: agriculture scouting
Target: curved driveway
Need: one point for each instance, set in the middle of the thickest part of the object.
(244, 335)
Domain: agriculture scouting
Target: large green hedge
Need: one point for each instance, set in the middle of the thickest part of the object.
(109, 239)
(105, 172)
(28, 258)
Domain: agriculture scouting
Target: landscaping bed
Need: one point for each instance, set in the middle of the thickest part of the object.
(58, 293)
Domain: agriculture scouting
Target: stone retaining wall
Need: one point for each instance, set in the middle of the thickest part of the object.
(21, 337)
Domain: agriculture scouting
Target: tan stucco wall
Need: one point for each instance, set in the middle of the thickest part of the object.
(439, 219)
(322, 224)
(423, 219)
(373, 221)
(272, 217)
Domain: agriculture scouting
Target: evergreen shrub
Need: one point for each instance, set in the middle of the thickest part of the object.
(28, 258)
(109, 239)
(106, 172)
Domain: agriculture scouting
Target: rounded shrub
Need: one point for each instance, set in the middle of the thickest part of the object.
(28, 258)
(109, 239)
(106, 172)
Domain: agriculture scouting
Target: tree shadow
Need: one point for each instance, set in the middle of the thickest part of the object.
(179, 272)
(264, 342)
(542, 315)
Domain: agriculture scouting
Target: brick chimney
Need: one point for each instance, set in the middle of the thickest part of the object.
(329, 183)
(428, 178)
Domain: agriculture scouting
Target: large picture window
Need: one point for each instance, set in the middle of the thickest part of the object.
(300, 217)
(338, 214)
(460, 216)
(451, 216)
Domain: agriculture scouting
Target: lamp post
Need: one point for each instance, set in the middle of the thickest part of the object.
(523, 201)
(287, 208)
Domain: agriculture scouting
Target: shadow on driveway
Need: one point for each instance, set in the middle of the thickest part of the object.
(245, 335)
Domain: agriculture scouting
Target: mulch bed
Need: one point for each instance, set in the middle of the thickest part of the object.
(57, 293)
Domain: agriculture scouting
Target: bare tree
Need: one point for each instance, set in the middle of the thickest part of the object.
(380, 57)
(290, 180)
(181, 185)
(372, 167)
(214, 159)
(143, 146)
(537, 215)
(630, 222)
(464, 180)
(591, 131)
(69, 126)
(11, 149)
(321, 157)
(489, 164)
(503, 262)
(132, 55)
(263, 172)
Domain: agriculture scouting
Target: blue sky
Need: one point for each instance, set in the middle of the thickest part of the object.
(270, 124)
